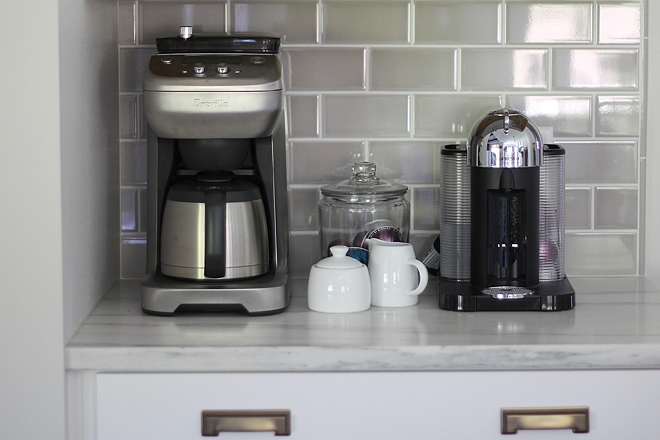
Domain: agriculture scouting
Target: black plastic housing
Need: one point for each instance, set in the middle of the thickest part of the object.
(490, 186)
(219, 43)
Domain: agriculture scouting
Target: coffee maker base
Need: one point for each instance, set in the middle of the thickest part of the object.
(164, 296)
(548, 297)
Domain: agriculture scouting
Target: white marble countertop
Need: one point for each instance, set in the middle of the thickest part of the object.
(616, 324)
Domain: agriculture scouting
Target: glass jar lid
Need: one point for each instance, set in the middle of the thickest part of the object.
(364, 183)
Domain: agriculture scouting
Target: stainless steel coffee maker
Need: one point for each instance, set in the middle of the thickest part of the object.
(217, 229)
(502, 220)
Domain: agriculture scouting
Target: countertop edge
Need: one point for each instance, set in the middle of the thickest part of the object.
(366, 358)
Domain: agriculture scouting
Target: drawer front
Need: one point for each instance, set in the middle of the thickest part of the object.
(415, 405)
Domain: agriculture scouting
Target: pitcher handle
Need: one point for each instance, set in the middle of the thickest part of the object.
(423, 276)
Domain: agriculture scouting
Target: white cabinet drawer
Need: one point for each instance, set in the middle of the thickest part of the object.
(417, 405)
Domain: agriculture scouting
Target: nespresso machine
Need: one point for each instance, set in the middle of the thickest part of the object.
(217, 228)
(502, 220)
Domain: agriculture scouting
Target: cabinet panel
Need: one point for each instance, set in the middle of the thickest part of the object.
(419, 405)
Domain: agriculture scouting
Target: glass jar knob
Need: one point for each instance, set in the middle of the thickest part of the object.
(365, 172)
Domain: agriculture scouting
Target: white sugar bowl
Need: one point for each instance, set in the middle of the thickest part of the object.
(339, 284)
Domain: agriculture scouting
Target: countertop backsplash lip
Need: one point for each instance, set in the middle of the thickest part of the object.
(586, 79)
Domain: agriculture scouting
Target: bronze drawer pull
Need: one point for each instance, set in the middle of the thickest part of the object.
(571, 417)
(215, 422)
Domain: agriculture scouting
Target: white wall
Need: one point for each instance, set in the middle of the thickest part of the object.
(59, 212)
(90, 154)
(31, 323)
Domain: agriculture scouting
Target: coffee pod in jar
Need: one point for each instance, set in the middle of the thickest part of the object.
(380, 229)
(363, 207)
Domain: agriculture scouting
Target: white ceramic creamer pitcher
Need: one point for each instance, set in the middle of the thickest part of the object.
(397, 278)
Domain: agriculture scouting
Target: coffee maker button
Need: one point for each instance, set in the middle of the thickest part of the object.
(257, 60)
(223, 69)
(198, 68)
(166, 60)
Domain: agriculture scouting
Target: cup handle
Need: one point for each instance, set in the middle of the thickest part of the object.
(423, 276)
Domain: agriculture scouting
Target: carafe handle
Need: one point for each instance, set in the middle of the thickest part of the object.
(215, 209)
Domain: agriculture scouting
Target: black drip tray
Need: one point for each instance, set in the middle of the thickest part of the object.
(550, 296)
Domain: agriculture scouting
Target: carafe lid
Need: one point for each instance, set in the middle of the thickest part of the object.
(364, 183)
(193, 190)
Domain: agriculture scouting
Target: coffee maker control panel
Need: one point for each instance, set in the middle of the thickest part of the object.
(226, 71)
(212, 65)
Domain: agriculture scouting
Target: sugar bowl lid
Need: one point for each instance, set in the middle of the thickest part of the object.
(364, 182)
(339, 260)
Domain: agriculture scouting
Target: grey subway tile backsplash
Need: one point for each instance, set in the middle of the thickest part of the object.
(294, 21)
(365, 115)
(569, 116)
(616, 208)
(595, 69)
(303, 210)
(132, 62)
(496, 69)
(129, 121)
(577, 208)
(303, 116)
(392, 81)
(142, 210)
(126, 29)
(324, 69)
(425, 206)
(450, 116)
(304, 250)
(324, 161)
(160, 19)
(412, 69)
(618, 116)
(601, 162)
(133, 257)
(541, 22)
(619, 23)
(366, 21)
(451, 22)
(601, 254)
(129, 210)
(133, 163)
(407, 161)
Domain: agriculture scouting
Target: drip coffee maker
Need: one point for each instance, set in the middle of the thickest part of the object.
(217, 230)
(502, 222)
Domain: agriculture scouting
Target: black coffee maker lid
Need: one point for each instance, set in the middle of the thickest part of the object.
(187, 42)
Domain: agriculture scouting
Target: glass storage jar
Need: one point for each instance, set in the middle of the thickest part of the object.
(362, 207)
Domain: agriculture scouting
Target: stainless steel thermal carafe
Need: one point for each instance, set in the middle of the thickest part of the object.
(214, 228)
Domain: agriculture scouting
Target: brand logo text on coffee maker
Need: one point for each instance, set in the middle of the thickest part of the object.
(213, 103)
